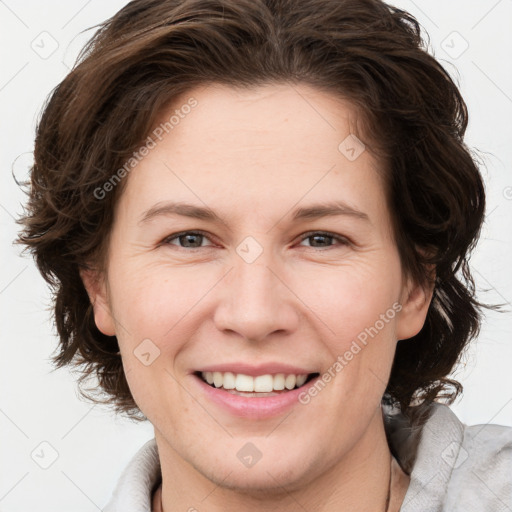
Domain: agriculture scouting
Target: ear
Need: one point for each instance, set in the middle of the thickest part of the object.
(415, 301)
(97, 290)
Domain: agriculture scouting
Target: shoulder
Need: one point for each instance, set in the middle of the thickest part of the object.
(137, 482)
(482, 471)
(457, 467)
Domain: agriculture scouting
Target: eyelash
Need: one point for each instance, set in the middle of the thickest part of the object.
(310, 234)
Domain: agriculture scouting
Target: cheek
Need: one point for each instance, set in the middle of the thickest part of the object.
(351, 300)
(151, 301)
(362, 346)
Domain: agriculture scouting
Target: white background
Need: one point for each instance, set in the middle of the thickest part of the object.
(93, 446)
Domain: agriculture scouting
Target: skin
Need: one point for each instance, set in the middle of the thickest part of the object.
(253, 156)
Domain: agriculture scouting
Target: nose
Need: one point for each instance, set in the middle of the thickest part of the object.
(256, 301)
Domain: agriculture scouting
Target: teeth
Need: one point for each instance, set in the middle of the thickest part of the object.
(229, 381)
(260, 384)
(279, 380)
(264, 383)
(301, 379)
(244, 382)
(217, 379)
(290, 381)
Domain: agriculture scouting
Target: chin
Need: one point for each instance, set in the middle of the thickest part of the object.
(275, 476)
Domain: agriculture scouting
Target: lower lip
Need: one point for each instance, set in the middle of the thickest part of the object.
(253, 407)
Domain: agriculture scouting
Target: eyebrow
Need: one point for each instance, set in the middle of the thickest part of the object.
(314, 211)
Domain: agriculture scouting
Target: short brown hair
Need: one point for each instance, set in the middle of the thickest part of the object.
(372, 54)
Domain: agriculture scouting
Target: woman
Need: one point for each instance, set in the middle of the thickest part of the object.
(257, 216)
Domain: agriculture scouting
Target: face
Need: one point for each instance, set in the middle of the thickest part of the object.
(251, 248)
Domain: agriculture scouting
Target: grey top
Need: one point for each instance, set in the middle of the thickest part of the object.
(453, 467)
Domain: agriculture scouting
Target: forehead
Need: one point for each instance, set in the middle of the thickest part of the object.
(300, 116)
(265, 148)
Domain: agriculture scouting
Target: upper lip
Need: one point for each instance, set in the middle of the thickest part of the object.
(255, 370)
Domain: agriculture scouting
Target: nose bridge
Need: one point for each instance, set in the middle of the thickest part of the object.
(256, 302)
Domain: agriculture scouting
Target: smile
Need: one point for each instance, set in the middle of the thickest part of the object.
(253, 393)
(260, 385)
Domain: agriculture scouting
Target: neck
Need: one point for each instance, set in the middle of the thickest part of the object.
(357, 482)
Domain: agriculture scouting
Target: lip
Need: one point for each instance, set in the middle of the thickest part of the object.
(255, 408)
(255, 370)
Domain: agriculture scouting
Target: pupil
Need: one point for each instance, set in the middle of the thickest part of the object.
(316, 237)
(189, 238)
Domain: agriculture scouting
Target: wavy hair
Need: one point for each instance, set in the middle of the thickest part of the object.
(411, 114)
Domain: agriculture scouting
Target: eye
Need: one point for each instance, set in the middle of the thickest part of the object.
(323, 238)
(193, 239)
(188, 239)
